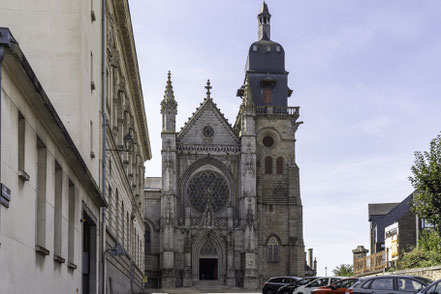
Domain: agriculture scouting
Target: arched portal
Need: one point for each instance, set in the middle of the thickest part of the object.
(208, 259)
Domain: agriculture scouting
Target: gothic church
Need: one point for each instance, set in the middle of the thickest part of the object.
(227, 211)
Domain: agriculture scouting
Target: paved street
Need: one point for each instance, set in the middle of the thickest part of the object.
(205, 291)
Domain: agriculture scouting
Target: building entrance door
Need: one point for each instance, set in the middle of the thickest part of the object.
(208, 269)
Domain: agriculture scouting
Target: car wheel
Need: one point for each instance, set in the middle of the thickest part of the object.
(286, 292)
(270, 291)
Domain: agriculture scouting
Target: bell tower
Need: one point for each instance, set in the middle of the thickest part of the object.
(273, 125)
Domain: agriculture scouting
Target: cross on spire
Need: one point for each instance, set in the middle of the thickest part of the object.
(208, 87)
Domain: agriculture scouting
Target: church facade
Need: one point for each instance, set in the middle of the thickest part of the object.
(227, 211)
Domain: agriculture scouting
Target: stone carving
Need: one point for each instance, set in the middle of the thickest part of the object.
(187, 242)
(169, 166)
(235, 149)
(168, 213)
(209, 248)
(216, 222)
(250, 215)
(249, 165)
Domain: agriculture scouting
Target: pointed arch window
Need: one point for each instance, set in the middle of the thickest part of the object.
(279, 165)
(268, 165)
(273, 249)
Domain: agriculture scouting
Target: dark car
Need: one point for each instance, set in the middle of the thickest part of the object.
(434, 288)
(389, 285)
(289, 289)
(273, 284)
(339, 287)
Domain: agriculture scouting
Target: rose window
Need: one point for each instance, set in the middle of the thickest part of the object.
(208, 189)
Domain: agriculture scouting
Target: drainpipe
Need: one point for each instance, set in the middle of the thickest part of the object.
(104, 130)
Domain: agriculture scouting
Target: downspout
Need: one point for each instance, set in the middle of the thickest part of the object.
(104, 130)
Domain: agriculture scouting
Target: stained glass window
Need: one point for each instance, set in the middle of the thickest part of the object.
(273, 249)
(208, 188)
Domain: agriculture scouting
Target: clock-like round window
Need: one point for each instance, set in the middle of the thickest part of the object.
(208, 131)
(268, 141)
(207, 188)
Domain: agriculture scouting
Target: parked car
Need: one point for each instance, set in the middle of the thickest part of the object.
(288, 289)
(434, 288)
(273, 284)
(338, 287)
(389, 285)
(311, 286)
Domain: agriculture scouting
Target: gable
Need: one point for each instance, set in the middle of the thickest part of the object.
(217, 129)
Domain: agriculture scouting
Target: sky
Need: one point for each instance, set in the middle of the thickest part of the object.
(366, 75)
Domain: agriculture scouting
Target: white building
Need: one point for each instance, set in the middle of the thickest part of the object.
(63, 42)
(48, 228)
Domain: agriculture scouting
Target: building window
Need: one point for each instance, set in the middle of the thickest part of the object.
(92, 12)
(208, 186)
(71, 228)
(268, 141)
(109, 214)
(92, 153)
(92, 82)
(268, 165)
(279, 165)
(58, 209)
(123, 233)
(147, 239)
(267, 96)
(21, 147)
(41, 197)
(273, 249)
(128, 233)
(116, 214)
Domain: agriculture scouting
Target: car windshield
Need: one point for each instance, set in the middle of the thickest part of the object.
(424, 280)
(303, 282)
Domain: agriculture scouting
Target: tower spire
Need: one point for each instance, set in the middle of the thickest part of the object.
(169, 94)
(208, 87)
(169, 107)
(264, 18)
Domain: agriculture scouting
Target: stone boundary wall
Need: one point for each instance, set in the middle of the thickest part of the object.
(433, 272)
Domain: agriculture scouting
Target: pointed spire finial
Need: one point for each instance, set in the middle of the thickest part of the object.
(169, 94)
(208, 87)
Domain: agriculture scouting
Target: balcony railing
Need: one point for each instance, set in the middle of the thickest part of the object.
(278, 110)
(370, 263)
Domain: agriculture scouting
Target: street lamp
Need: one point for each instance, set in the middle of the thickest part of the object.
(128, 144)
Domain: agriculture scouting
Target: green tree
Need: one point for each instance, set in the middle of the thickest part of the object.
(343, 270)
(426, 180)
(428, 252)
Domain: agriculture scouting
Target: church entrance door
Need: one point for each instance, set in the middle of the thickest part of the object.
(208, 269)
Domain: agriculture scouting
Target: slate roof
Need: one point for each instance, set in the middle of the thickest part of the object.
(392, 216)
(379, 209)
